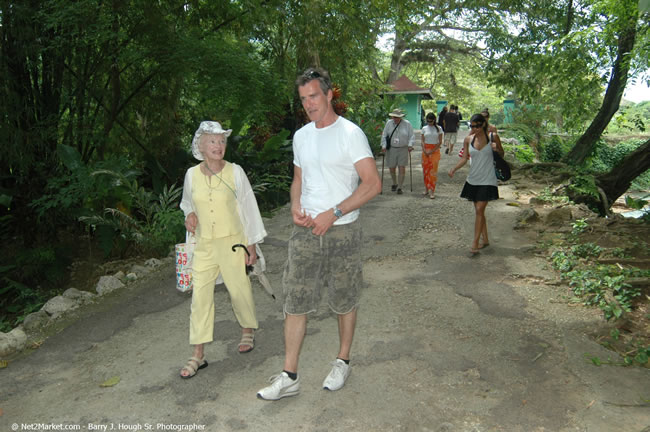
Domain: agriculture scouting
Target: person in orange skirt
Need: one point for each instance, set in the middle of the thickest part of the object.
(431, 142)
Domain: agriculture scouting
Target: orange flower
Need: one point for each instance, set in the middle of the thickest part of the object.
(340, 107)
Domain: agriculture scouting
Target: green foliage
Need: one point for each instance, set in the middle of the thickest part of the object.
(74, 191)
(369, 112)
(630, 118)
(530, 125)
(269, 170)
(547, 195)
(606, 156)
(586, 250)
(619, 252)
(578, 227)
(583, 184)
(522, 153)
(554, 148)
(554, 58)
(562, 262)
(642, 355)
(455, 79)
(639, 204)
(598, 285)
(636, 203)
(28, 280)
(149, 224)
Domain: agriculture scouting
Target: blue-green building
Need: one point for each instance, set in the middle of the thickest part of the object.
(414, 97)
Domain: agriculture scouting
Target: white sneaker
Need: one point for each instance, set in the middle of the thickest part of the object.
(337, 376)
(281, 386)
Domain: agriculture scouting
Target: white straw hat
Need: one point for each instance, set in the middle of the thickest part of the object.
(207, 127)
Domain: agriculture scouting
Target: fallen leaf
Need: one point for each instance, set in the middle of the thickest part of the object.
(591, 403)
(1, 412)
(3, 364)
(110, 382)
(513, 204)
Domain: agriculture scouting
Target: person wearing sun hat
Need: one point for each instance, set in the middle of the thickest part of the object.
(221, 211)
(397, 141)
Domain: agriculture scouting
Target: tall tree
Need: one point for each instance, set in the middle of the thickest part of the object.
(121, 79)
(623, 19)
(438, 32)
(542, 63)
(564, 53)
(337, 35)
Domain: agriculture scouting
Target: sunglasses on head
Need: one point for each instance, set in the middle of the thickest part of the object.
(312, 74)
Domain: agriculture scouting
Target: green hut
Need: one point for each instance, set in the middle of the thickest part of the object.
(414, 97)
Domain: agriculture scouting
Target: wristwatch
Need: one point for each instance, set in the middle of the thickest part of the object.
(337, 212)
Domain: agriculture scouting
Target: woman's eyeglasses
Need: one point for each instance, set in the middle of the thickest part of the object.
(475, 126)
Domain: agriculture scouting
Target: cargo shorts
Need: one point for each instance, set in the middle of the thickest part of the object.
(315, 262)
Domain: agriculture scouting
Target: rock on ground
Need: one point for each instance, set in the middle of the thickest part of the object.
(108, 284)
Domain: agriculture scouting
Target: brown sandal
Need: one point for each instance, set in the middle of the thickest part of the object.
(248, 340)
(192, 366)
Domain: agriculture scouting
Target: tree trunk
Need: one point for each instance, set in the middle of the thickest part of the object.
(611, 101)
(396, 58)
(618, 180)
(569, 18)
(114, 81)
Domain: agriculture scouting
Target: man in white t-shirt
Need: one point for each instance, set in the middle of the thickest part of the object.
(334, 175)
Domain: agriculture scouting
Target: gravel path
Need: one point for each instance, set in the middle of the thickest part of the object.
(444, 342)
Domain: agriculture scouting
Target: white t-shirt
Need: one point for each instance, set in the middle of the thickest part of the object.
(431, 134)
(403, 136)
(326, 157)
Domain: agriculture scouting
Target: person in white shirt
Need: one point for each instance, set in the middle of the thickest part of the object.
(431, 142)
(334, 175)
(397, 142)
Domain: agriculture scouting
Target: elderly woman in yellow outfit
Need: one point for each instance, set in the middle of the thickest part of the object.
(221, 210)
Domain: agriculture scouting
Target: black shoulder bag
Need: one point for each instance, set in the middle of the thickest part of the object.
(388, 139)
(501, 167)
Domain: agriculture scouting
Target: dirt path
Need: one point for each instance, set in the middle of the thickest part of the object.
(444, 342)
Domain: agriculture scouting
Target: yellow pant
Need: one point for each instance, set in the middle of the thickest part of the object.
(212, 256)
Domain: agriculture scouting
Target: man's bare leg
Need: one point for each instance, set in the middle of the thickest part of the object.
(341, 368)
(393, 175)
(347, 324)
(400, 178)
(294, 334)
